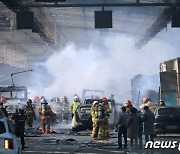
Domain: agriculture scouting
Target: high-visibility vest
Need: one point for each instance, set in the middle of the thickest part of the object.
(74, 106)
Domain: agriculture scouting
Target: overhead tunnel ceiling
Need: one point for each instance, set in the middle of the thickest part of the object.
(73, 24)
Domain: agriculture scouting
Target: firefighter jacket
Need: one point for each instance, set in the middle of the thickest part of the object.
(94, 113)
(152, 106)
(45, 111)
(20, 119)
(30, 111)
(74, 106)
(107, 110)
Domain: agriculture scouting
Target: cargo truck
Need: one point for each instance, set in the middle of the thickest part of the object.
(169, 90)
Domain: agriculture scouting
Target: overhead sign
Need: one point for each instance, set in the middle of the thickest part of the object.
(103, 19)
(50, 1)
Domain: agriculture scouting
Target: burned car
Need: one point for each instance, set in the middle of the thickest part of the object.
(167, 120)
(83, 119)
(14, 97)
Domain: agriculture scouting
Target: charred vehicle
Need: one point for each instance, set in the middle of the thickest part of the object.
(83, 119)
(14, 95)
(167, 120)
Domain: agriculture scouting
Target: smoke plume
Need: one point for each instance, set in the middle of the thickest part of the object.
(108, 64)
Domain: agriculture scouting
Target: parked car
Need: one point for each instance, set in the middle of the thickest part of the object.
(167, 120)
(9, 143)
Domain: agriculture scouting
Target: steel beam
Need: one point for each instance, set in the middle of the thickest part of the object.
(100, 4)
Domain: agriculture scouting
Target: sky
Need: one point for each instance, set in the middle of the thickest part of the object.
(108, 63)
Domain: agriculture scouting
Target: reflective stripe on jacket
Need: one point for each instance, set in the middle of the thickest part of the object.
(48, 112)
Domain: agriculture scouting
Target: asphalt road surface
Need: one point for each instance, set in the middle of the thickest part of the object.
(66, 141)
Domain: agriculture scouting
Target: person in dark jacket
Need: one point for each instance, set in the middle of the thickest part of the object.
(122, 130)
(140, 130)
(148, 119)
(3, 110)
(132, 125)
(20, 119)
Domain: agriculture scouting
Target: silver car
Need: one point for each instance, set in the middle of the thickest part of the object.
(9, 143)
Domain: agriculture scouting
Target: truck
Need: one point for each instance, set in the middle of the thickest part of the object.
(169, 90)
(14, 92)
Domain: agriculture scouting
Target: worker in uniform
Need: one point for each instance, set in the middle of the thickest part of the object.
(45, 113)
(30, 113)
(65, 109)
(128, 106)
(107, 111)
(98, 114)
(74, 105)
(3, 99)
(148, 102)
(57, 100)
(3, 110)
(20, 118)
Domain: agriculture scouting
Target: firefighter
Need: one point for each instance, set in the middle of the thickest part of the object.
(65, 109)
(148, 102)
(3, 110)
(3, 99)
(30, 113)
(107, 111)
(98, 114)
(128, 106)
(75, 104)
(20, 118)
(57, 100)
(36, 101)
(65, 100)
(45, 113)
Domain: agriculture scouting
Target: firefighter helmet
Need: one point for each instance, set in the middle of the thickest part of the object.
(128, 103)
(95, 102)
(64, 98)
(41, 97)
(29, 101)
(144, 99)
(57, 99)
(35, 98)
(43, 101)
(3, 99)
(76, 98)
(104, 99)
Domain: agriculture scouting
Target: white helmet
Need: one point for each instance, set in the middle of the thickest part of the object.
(22, 107)
(76, 98)
(95, 102)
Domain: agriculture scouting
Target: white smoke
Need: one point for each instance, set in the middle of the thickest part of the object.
(108, 64)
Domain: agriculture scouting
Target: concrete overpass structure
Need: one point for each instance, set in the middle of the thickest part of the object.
(56, 24)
